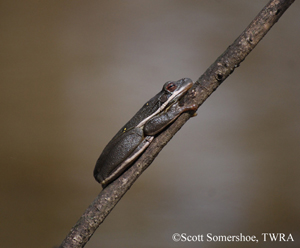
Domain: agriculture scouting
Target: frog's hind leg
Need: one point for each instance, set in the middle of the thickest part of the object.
(139, 150)
(125, 164)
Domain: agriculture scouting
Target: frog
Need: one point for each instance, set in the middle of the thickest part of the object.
(137, 134)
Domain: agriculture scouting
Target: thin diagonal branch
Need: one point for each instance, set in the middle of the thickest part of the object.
(202, 89)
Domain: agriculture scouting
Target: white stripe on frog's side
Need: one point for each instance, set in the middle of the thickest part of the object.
(162, 107)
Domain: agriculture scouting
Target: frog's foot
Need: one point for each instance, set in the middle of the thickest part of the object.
(192, 108)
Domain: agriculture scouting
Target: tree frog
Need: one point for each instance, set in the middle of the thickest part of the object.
(133, 138)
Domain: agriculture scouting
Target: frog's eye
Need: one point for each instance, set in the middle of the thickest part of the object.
(171, 87)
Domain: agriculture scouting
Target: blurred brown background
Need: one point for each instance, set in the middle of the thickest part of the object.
(73, 72)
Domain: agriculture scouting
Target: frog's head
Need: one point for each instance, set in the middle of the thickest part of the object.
(174, 90)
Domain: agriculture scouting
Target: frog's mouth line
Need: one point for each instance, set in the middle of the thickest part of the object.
(172, 99)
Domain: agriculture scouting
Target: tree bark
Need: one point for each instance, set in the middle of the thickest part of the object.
(202, 89)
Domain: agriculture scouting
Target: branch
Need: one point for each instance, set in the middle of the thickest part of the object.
(202, 89)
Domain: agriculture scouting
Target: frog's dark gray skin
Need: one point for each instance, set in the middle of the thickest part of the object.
(137, 134)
